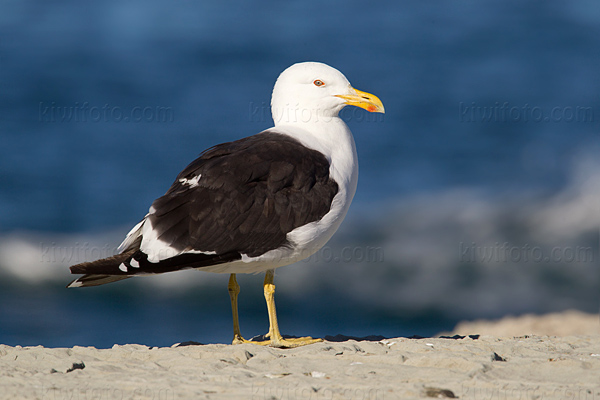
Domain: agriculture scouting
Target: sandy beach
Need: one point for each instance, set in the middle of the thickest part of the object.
(467, 367)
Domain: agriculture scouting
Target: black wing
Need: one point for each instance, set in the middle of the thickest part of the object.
(243, 197)
(237, 198)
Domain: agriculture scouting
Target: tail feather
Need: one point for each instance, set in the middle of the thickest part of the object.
(101, 271)
(108, 265)
(133, 262)
(95, 280)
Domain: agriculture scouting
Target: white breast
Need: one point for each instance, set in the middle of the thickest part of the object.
(335, 141)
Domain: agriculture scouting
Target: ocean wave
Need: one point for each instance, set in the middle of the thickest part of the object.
(463, 252)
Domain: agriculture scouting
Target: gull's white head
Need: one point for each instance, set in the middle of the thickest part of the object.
(315, 92)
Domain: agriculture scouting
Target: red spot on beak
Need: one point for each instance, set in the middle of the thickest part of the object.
(371, 108)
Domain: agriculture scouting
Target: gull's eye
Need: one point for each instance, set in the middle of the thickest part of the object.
(319, 82)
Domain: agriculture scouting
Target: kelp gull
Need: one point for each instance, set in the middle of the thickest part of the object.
(257, 203)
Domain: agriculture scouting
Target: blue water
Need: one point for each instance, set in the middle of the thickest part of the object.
(491, 133)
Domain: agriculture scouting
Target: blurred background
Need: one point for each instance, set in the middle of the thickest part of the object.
(479, 189)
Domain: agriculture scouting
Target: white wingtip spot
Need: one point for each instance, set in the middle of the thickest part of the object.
(134, 263)
(75, 284)
(123, 267)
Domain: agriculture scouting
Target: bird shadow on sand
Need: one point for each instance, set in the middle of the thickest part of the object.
(378, 338)
(343, 338)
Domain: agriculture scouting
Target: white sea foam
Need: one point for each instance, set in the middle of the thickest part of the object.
(462, 251)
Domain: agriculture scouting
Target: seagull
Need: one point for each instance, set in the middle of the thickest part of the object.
(257, 203)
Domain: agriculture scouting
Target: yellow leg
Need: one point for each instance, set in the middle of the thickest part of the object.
(276, 339)
(234, 290)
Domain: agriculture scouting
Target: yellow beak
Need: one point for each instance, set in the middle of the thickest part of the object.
(365, 100)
